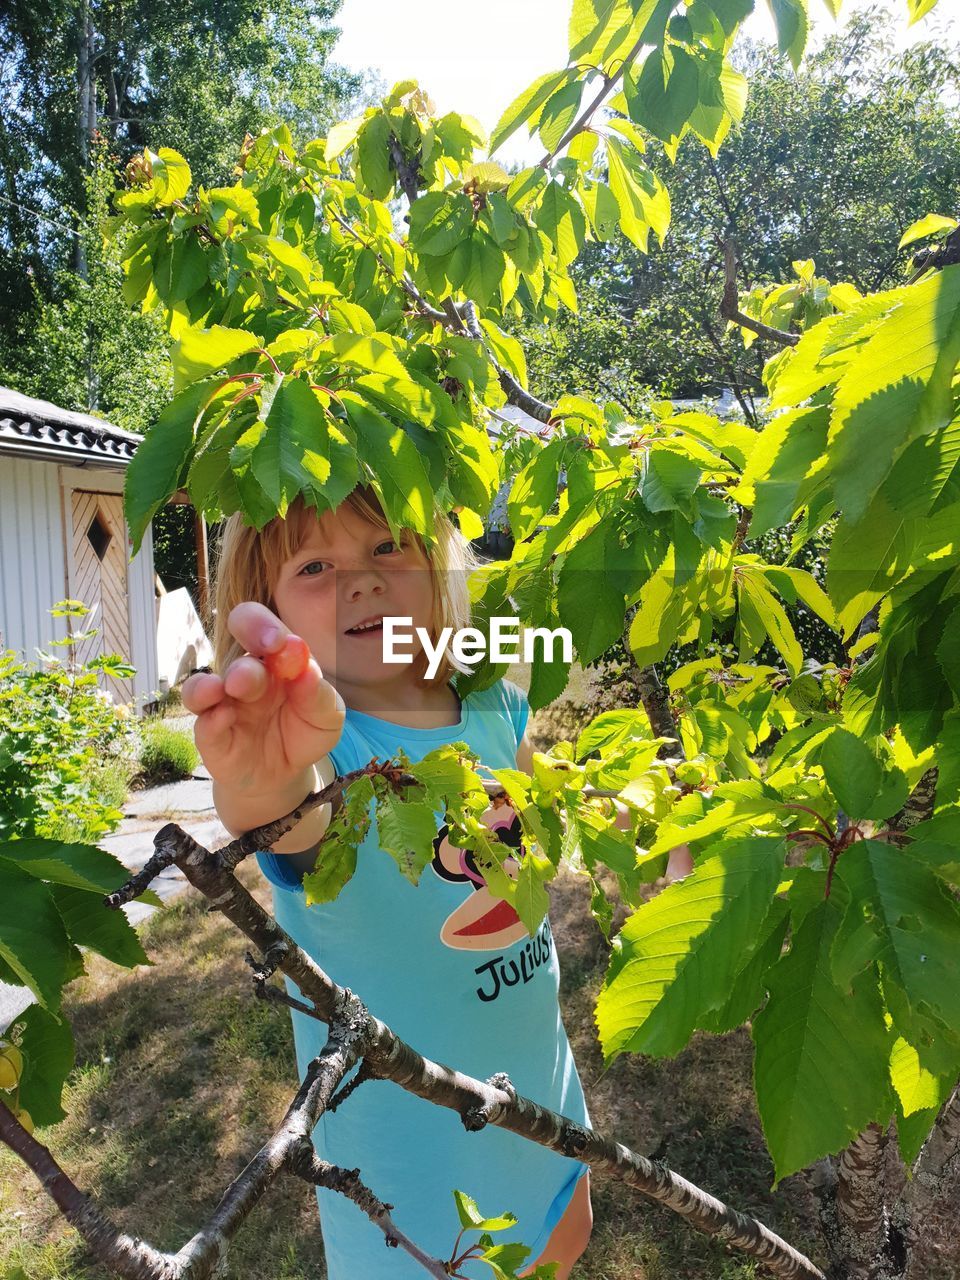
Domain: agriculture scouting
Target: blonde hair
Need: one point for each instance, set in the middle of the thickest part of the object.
(249, 561)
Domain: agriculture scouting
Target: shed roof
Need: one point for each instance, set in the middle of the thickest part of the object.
(40, 429)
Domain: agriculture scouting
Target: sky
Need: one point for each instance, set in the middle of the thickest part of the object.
(475, 56)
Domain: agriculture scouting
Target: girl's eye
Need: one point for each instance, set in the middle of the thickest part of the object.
(389, 544)
(312, 569)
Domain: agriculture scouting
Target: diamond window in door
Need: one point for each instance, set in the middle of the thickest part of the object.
(99, 536)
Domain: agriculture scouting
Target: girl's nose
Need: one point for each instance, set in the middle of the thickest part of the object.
(355, 582)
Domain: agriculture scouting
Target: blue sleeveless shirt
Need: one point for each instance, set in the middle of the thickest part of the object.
(454, 973)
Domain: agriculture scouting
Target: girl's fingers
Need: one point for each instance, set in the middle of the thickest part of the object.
(202, 691)
(213, 729)
(314, 700)
(256, 628)
(246, 680)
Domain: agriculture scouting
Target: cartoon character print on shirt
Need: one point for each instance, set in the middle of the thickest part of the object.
(481, 922)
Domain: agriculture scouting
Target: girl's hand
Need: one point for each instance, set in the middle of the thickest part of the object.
(269, 717)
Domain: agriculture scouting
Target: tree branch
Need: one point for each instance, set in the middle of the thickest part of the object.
(730, 304)
(476, 1102)
(307, 1164)
(514, 392)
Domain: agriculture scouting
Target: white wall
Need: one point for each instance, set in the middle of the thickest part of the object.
(33, 572)
(34, 497)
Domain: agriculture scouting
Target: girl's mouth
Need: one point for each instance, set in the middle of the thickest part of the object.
(370, 627)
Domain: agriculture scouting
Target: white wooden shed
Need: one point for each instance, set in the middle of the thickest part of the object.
(62, 534)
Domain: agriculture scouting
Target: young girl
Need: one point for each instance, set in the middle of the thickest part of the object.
(449, 968)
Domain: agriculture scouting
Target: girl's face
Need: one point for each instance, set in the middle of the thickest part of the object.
(347, 573)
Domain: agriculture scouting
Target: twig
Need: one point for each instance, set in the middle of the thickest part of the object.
(308, 1165)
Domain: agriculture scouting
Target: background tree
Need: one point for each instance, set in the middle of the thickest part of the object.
(139, 75)
(831, 162)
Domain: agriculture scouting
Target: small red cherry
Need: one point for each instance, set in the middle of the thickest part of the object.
(290, 662)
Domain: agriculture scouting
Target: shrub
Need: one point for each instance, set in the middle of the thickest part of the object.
(66, 749)
(166, 754)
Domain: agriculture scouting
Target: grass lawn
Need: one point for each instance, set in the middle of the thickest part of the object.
(182, 1074)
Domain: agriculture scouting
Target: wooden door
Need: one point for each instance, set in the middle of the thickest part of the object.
(99, 572)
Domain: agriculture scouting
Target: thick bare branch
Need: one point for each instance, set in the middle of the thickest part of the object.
(122, 1254)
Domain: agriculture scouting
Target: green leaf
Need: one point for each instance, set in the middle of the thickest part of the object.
(472, 1219)
(48, 1053)
(508, 352)
(602, 209)
(28, 913)
(160, 465)
(611, 729)
(171, 175)
(439, 220)
(677, 956)
(641, 197)
(531, 901)
(928, 226)
(527, 105)
(662, 613)
(342, 136)
(373, 157)
(588, 599)
(596, 27)
(294, 451)
(395, 462)
(534, 490)
(665, 94)
(749, 987)
(485, 272)
(792, 23)
(669, 481)
(559, 112)
(773, 481)
(897, 387)
(337, 855)
(407, 829)
(760, 612)
(371, 351)
(90, 923)
(913, 928)
(919, 9)
(917, 1088)
(199, 352)
(561, 219)
(81, 866)
(820, 1068)
(852, 771)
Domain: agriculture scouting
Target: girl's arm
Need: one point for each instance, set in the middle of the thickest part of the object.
(679, 863)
